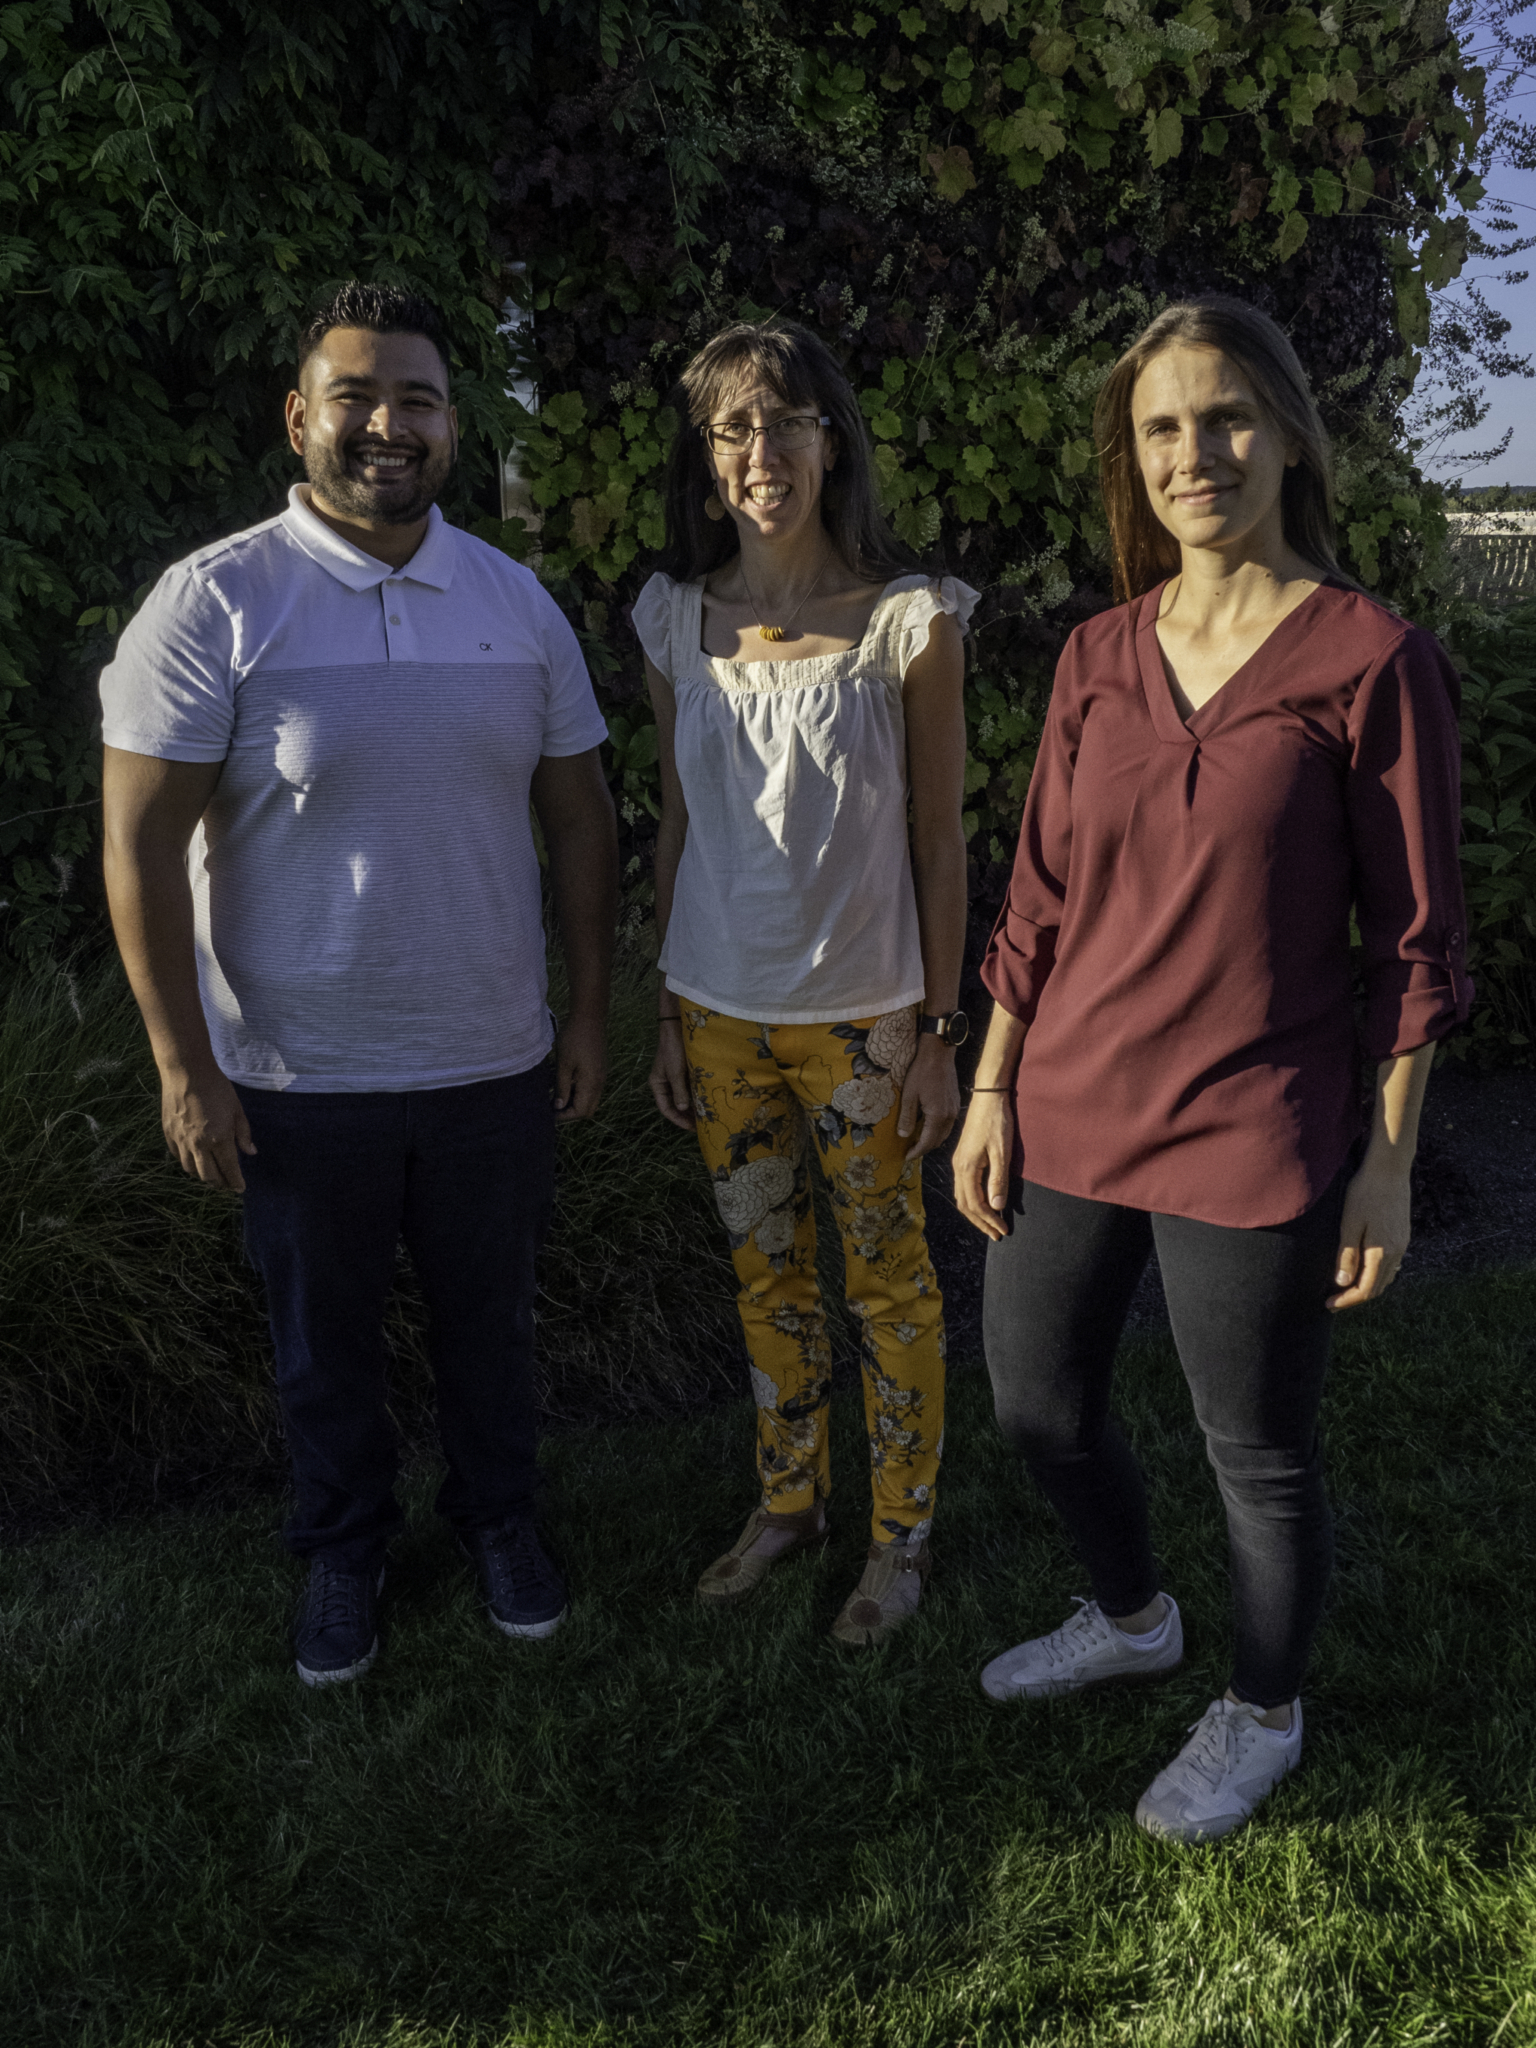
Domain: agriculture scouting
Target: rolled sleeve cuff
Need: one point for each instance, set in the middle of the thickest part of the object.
(1018, 961)
(1413, 1003)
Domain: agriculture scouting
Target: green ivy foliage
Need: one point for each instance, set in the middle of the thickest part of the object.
(976, 204)
(1497, 658)
(979, 204)
(177, 183)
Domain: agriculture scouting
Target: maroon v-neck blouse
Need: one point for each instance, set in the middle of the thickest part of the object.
(1177, 929)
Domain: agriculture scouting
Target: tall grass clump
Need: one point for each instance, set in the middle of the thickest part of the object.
(133, 1347)
(129, 1329)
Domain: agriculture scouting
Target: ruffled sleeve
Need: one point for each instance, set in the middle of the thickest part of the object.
(947, 594)
(651, 617)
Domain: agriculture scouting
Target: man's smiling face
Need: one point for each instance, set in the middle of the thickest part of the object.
(372, 420)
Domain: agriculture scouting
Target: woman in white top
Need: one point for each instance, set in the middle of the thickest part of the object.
(807, 683)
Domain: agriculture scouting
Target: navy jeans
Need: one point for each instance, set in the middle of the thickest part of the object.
(1248, 1316)
(465, 1176)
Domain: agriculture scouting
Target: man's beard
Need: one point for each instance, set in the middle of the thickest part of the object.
(377, 504)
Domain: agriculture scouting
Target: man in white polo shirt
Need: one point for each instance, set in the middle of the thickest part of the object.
(322, 738)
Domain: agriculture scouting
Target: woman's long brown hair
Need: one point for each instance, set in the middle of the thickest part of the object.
(803, 371)
(1145, 552)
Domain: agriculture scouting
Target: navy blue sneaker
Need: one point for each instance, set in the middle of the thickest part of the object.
(518, 1583)
(337, 1635)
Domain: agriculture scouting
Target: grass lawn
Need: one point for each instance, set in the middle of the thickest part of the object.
(670, 1827)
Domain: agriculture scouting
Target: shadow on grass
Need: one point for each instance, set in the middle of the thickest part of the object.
(667, 1826)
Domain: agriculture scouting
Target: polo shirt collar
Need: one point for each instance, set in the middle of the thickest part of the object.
(432, 563)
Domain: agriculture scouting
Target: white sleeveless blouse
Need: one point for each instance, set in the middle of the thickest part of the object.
(794, 900)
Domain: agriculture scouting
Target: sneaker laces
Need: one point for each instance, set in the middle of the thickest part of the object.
(1087, 1626)
(1216, 1749)
(517, 1563)
(336, 1596)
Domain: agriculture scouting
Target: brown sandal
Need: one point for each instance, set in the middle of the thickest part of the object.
(885, 1596)
(738, 1573)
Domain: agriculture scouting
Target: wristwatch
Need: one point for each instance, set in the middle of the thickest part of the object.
(953, 1029)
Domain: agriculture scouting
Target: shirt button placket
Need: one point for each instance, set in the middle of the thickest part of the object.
(390, 593)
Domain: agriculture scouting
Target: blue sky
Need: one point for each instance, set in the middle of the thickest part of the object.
(1513, 399)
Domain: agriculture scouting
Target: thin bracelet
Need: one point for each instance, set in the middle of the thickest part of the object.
(1007, 1090)
(669, 1020)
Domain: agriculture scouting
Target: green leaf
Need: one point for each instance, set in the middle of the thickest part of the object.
(1361, 179)
(565, 412)
(1051, 50)
(1412, 307)
(971, 501)
(1213, 138)
(1443, 251)
(1031, 129)
(642, 751)
(1327, 192)
(952, 169)
(1165, 136)
(1094, 148)
(1293, 232)
(887, 425)
(919, 523)
(1307, 95)
(1284, 190)
(1033, 414)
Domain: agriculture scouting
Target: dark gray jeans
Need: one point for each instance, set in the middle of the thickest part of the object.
(1248, 1315)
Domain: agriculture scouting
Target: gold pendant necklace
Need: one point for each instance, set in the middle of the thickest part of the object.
(778, 632)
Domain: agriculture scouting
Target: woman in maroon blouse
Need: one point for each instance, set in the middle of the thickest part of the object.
(1245, 751)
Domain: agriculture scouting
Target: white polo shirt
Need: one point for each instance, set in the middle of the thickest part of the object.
(366, 888)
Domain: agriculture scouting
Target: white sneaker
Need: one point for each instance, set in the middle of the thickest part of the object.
(1087, 1650)
(1212, 1786)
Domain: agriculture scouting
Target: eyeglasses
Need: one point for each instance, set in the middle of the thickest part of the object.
(734, 437)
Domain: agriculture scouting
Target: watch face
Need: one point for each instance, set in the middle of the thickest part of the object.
(957, 1027)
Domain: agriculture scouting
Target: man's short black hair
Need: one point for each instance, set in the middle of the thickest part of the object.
(378, 309)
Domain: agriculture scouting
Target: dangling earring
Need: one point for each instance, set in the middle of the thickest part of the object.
(713, 509)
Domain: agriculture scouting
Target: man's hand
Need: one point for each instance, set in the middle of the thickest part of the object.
(930, 1091)
(575, 814)
(581, 1067)
(669, 1081)
(206, 1128)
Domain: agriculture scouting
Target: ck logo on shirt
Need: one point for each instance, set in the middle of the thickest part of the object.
(485, 646)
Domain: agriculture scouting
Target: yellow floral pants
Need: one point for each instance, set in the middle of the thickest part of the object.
(762, 1093)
